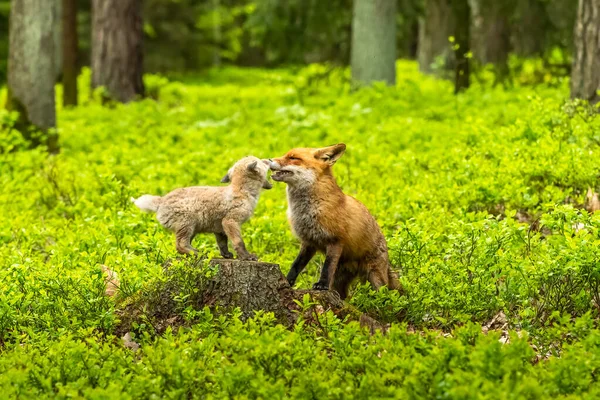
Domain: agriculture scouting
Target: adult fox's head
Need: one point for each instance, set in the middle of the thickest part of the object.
(304, 166)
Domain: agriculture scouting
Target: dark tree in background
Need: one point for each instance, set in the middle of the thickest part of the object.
(69, 52)
(491, 42)
(373, 54)
(585, 76)
(58, 36)
(529, 31)
(117, 57)
(462, 41)
(32, 68)
(217, 34)
(435, 27)
(190, 35)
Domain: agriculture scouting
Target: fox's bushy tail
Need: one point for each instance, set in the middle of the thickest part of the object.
(147, 202)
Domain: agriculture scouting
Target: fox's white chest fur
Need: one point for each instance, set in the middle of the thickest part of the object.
(303, 214)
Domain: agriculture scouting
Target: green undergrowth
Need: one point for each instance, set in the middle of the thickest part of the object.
(225, 358)
(479, 196)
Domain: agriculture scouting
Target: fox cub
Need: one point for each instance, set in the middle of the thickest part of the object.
(219, 210)
(328, 221)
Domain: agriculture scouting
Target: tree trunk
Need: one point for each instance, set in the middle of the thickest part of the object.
(491, 38)
(32, 68)
(247, 285)
(373, 51)
(529, 31)
(585, 76)
(435, 28)
(58, 38)
(462, 38)
(69, 54)
(217, 32)
(117, 58)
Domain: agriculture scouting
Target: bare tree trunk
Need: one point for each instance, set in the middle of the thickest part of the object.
(491, 34)
(32, 68)
(373, 51)
(529, 31)
(462, 39)
(435, 28)
(217, 32)
(585, 76)
(117, 58)
(58, 36)
(69, 54)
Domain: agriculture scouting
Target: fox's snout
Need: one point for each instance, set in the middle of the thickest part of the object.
(274, 165)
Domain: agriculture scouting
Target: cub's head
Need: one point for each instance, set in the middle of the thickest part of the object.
(304, 166)
(249, 170)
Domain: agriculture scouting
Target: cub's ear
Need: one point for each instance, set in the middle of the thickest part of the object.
(252, 166)
(330, 154)
(226, 179)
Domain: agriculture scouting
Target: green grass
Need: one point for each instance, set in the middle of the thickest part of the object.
(447, 178)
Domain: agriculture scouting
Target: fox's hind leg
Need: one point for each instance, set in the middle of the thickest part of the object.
(183, 237)
(377, 279)
(380, 274)
(394, 282)
(377, 272)
(222, 243)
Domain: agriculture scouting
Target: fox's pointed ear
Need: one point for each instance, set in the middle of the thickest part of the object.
(331, 154)
(226, 179)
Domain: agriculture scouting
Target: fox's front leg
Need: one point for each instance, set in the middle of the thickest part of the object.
(307, 252)
(333, 253)
(234, 233)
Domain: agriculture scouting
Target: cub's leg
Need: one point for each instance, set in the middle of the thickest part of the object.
(332, 256)
(183, 238)
(234, 233)
(307, 252)
(222, 243)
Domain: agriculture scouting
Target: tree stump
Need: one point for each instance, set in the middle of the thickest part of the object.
(251, 286)
(248, 285)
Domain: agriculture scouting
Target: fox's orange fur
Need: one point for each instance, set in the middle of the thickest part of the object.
(327, 220)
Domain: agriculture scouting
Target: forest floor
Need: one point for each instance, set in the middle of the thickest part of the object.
(481, 197)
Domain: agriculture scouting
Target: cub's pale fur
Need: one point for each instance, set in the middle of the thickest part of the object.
(207, 209)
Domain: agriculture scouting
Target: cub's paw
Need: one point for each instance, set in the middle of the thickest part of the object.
(227, 255)
(292, 282)
(320, 286)
(248, 257)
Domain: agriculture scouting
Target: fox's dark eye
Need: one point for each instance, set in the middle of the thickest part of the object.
(294, 158)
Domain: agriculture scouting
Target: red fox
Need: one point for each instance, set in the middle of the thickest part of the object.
(327, 220)
(220, 210)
